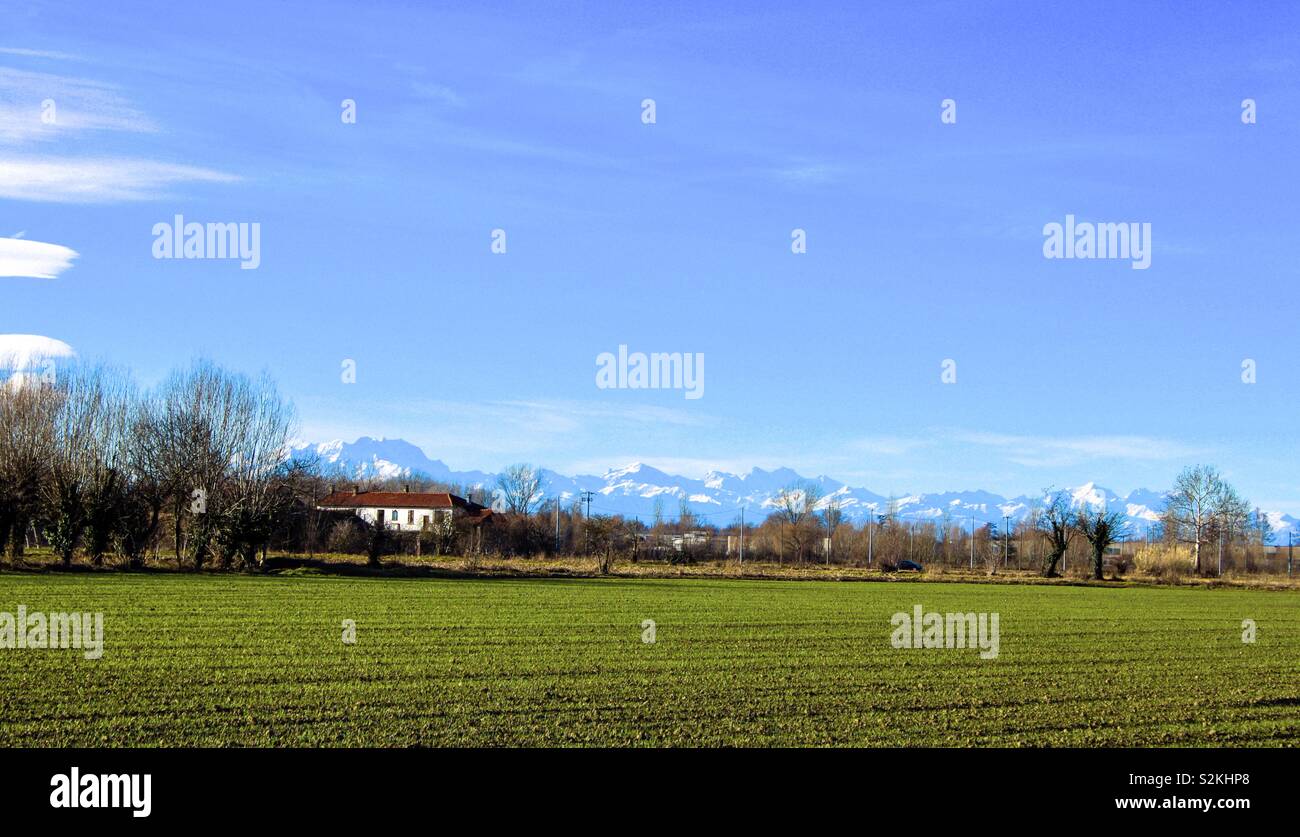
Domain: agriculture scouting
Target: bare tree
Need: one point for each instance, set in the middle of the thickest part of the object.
(796, 506)
(259, 478)
(109, 457)
(27, 415)
(945, 523)
(145, 488)
(1056, 523)
(1261, 531)
(521, 488)
(222, 447)
(988, 545)
(200, 424)
(657, 527)
(63, 495)
(442, 533)
(1029, 532)
(1231, 519)
(1101, 528)
(1199, 502)
(832, 516)
(85, 466)
(606, 536)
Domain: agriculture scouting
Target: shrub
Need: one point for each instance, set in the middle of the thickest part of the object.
(345, 537)
(378, 541)
(1163, 562)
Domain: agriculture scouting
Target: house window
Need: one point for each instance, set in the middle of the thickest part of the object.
(410, 517)
(381, 515)
(396, 519)
(426, 521)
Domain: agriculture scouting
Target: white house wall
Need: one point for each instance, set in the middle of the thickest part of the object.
(371, 513)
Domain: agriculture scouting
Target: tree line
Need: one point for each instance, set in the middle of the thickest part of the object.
(93, 465)
(801, 526)
(1202, 510)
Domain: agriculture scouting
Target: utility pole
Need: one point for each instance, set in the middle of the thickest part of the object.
(1006, 542)
(871, 529)
(972, 541)
(311, 534)
(557, 524)
(586, 497)
(742, 536)
(1290, 548)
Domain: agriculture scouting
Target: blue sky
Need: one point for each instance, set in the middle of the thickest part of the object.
(924, 239)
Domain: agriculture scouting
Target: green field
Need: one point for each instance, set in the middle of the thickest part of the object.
(241, 660)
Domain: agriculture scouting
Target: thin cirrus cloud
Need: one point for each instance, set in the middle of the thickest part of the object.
(437, 93)
(554, 415)
(40, 110)
(20, 257)
(105, 180)
(40, 53)
(43, 107)
(1049, 451)
(514, 429)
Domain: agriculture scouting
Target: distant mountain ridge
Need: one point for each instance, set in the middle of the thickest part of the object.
(632, 490)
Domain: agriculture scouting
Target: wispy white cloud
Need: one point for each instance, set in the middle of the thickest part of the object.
(74, 105)
(437, 93)
(40, 53)
(40, 107)
(516, 420)
(34, 259)
(1060, 451)
(552, 417)
(63, 180)
(684, 466)
(632, 414)
(473, 140)
(889, 445)
(555, 432)
(807, 173)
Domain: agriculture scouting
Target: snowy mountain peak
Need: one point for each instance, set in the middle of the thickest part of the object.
(640, 490)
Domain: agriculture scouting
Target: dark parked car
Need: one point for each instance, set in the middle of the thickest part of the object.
(910, 566)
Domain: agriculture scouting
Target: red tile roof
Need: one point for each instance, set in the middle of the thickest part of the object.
(393, 499)
(474, 513)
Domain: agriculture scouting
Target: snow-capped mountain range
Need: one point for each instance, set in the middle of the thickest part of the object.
(717, 498)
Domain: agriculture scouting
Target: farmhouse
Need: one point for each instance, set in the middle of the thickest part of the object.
(405, 511)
